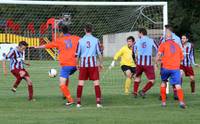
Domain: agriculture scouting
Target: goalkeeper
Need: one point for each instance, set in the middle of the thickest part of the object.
(127, 62)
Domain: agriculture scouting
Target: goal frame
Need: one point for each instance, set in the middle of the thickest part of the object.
(95, 3)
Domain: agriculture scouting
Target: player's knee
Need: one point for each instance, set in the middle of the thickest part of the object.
(163, 85)
(22, 73)
(96, 82)
(178, 86)
(81, 83)
(192, 78)
(152, 81)
(137, 79)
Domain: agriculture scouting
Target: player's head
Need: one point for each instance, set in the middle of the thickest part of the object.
(184, 38)
(130, 41)
(169, 27)
(168, 35)
(63, 28)
(22, 45)
(88, 28)
(142, 32)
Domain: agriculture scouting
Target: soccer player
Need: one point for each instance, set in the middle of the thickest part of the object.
(143, 50)
(17, 67)
(189, 59)
(171, 56)
(87, 52)
(66, 44)
(127, 63)
(174, 36)
(177, 40)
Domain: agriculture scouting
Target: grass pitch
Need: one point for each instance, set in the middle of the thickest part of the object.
(118, 108)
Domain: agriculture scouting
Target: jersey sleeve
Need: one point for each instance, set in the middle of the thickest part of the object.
(155, 46)
(10, 54)
(192, 57)
(51, 45)
(78, 50)
(98, 48)
(118, 54)
(161, 48)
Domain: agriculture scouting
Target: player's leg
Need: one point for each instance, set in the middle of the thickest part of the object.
(65, 90)
(176, 80)
(73, 70)
(17, 81)
(127, 83)
(94, 76)
(97, 89)
(83, 75)
(163, 93)
(192, 84)
(79, 92)
(150, 74)
(30, 87)
(190, 74)
(24, 74)
(164, 77)
(64, 75)
(138, 74)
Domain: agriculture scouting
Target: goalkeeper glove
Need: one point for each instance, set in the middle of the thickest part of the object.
(112, 64)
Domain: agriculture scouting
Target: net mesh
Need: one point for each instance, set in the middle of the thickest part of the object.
(36, 25)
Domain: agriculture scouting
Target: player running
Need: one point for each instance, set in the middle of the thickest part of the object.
(87, 52)
(188, 61)
(17, 67)
(171, 56)
(66, 45)
(143, 50)
(127, 63)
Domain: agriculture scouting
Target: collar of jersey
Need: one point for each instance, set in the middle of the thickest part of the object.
(67, 34)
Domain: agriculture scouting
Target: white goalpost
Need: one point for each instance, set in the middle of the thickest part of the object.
(36, 22)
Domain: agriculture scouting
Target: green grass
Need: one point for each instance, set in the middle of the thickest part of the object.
(118, 109)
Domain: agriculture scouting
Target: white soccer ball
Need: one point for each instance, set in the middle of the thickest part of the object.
(52, 73)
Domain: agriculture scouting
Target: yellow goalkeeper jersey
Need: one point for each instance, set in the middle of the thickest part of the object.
(126, 56)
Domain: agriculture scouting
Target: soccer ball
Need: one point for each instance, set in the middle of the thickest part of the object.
(52, 73)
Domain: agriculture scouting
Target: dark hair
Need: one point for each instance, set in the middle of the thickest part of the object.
(23, 43)
(88, 27)
(131, 38)
(169, 27)
(143, 31)
(185, 36)
(63, 28)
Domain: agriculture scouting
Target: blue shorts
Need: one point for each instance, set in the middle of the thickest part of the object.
(174, 75)
(66, 71)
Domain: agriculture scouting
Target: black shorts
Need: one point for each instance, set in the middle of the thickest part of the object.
(125, 68)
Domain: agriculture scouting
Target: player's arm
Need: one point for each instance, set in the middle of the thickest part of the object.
(77, 55)
(192, 57)
(53, 44)
(100, 57)
(4, 67)
(117, 55)
(159, 54)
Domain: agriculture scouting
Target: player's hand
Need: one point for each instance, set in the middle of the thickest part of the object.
(156, 67)
(28, 64)
(112, 64)
(77, 67)
(5, 73)
(100, 68)
(197, 65)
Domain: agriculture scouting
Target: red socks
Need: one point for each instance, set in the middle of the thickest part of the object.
(17, 82)
(98, 94)
(135, 87)
(192, 85)
(30, 91)
(79, 93)
(147, 87)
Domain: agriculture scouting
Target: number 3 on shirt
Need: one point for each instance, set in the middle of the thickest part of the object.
(88, 44)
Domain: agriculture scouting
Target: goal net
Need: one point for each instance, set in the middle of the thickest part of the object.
(36, 22)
